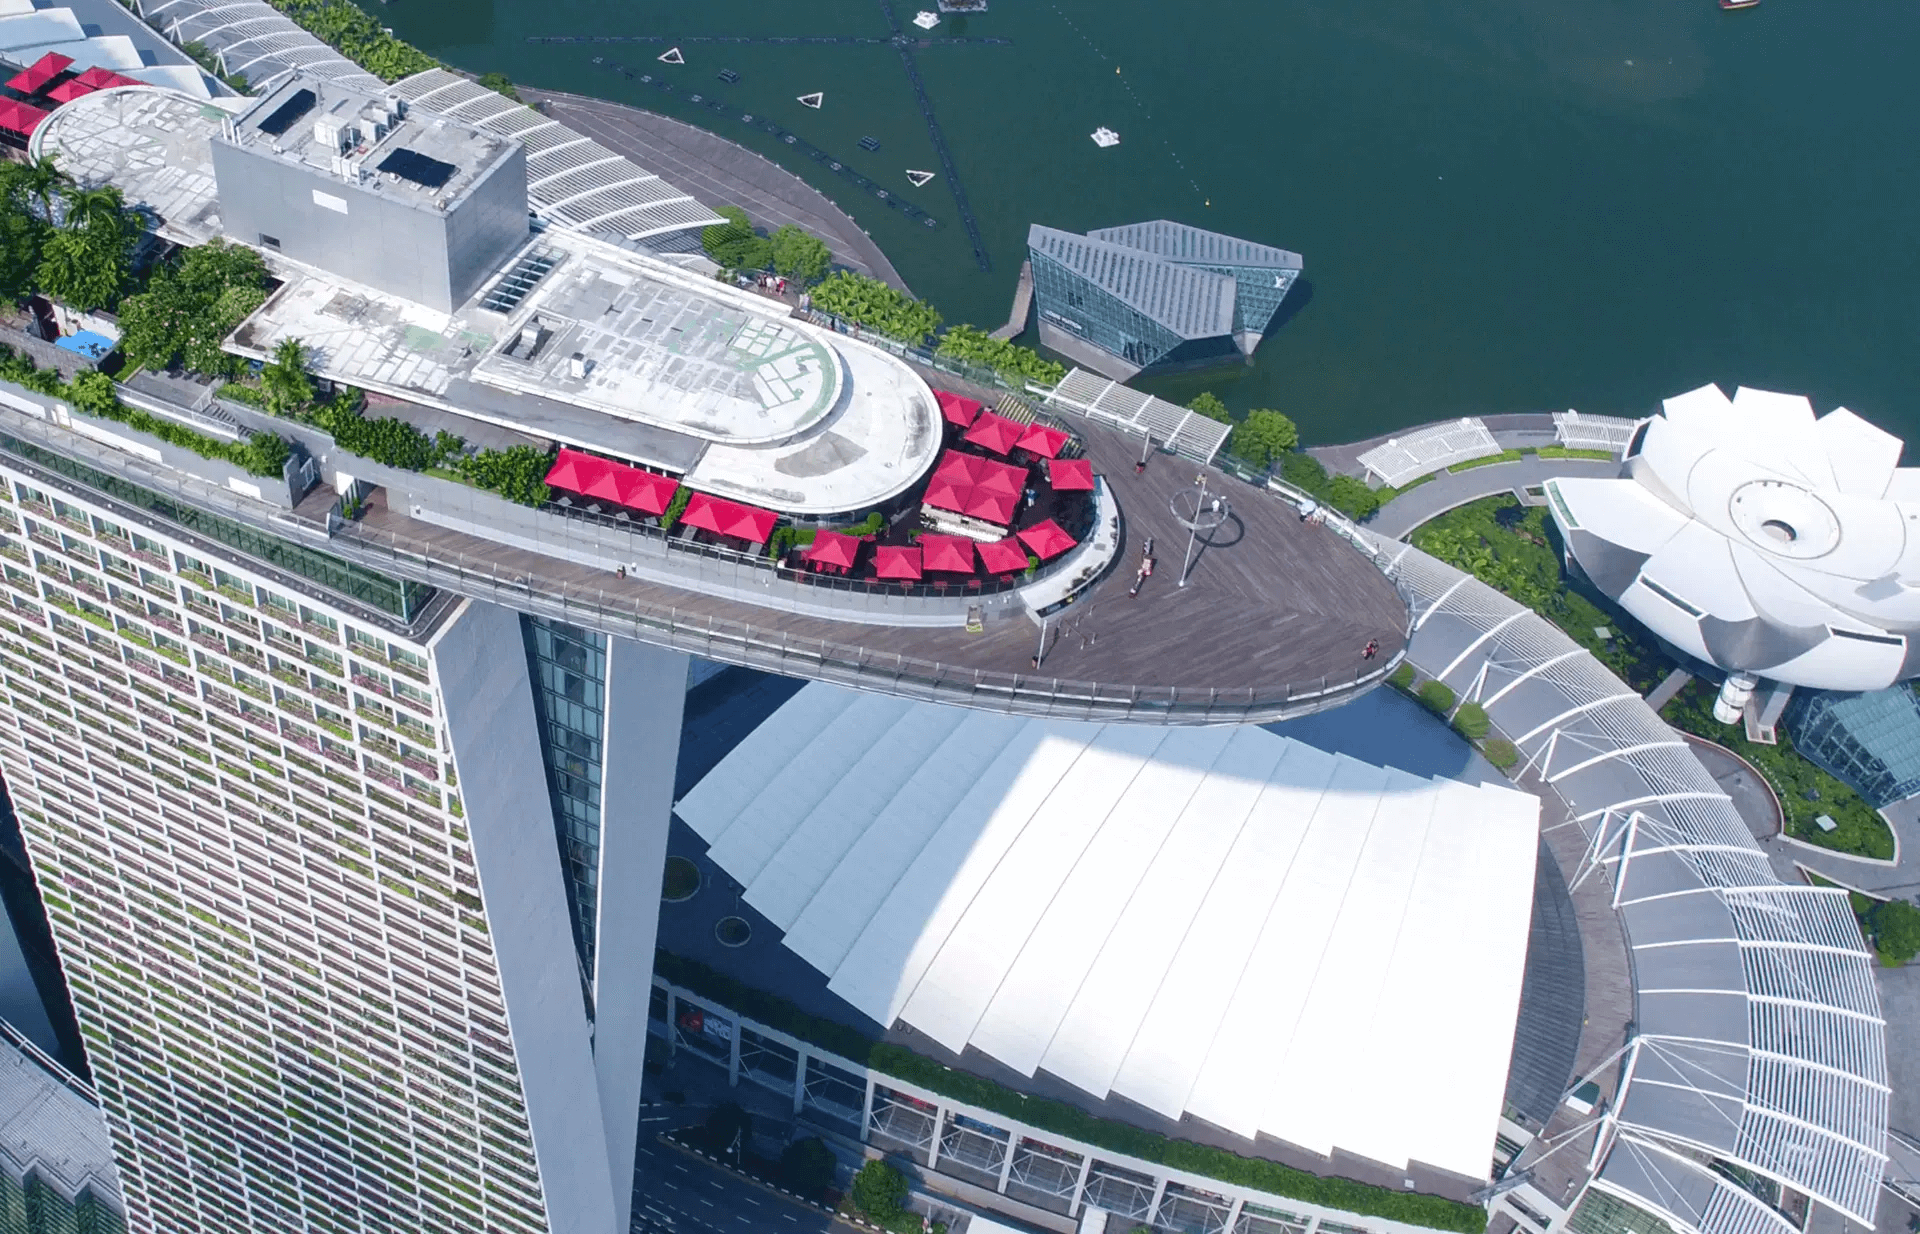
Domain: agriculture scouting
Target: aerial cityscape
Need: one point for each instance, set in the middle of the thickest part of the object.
(547, 687)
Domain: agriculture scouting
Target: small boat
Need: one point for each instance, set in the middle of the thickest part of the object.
(919, 179)
(1738, 4)
(812, 100)
(1105, 137)
(671, 56)
(926, 20)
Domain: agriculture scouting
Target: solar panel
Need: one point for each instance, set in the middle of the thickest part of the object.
(284, 115)
(417, 167)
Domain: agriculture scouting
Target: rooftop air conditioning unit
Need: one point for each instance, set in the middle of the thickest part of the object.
(327, 132)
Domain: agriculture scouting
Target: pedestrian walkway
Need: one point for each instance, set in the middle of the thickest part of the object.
(1452, 489)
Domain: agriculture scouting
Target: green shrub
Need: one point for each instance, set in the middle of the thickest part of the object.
(676, 507)
(1500, 752)
(799, 255)
(1896, 931)
(1011, 361)
(1437, 696)
(1570, 452)
(1401, 678)
(500, 84)
(357, 35)
(1263, 437)
(871, 304)
(879, 1191)
(1471, 721)
(518, 473)
(808, 1167)
(734, 244)
(1487, 460)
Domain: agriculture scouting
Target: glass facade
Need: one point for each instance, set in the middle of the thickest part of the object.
(243, 817)
(568, 668)
(1075, 303)
(1870, 741)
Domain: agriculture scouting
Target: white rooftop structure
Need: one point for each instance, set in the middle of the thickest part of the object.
(1210, 921)
(28, 33)
(1426, 450)
(675, 370)
(1759, 538)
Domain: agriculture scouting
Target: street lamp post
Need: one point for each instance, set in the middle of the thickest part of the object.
(1209, 512)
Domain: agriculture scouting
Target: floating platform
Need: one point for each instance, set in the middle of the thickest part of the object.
(963, 6)
(672, 56)
(926, 19)
(813, 100)
(1105, 137)
(869, 144)
(919, 179)
(730, 77)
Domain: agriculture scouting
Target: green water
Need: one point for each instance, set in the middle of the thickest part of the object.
(1504, 205)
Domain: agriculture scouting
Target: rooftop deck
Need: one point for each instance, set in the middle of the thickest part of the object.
(1272, 624)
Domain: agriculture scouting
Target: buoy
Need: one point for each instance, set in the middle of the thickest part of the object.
(919, 178)
(813, 100)
(672, 56)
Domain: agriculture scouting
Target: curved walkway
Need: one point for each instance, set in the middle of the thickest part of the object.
(1450, 489)
(719, 172)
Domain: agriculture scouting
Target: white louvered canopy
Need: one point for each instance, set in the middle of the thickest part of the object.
(572, 181)
(1209, 921)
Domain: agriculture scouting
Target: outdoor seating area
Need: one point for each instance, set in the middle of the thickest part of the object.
(1003, 497)
(30, 95)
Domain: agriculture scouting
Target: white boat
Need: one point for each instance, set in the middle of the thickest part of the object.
(813, 100)
(926, 19)
(1105, 137)
(919, 178)
(672, 56)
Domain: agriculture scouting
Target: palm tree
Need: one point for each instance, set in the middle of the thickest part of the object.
(43, 180)
(285, 381)
(103, 207)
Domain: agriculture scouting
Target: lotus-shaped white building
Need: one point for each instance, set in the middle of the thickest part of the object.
(1760, 539)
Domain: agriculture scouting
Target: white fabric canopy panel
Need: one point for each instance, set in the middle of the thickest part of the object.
(1209, 921)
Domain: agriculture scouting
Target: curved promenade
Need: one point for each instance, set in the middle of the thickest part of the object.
(719, 173)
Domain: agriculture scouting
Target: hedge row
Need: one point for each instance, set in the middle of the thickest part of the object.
(1344, 1194)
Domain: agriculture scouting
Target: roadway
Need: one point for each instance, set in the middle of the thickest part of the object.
(677, 1192)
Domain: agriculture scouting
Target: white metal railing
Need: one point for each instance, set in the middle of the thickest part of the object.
(1578, 432)
(1426, 450)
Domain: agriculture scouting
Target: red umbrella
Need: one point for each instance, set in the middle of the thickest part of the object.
(729, 518)
(69, 90)
(896, 561)
(950, 554)
(832, 548)
(1046, 539)
(646, 491)
(1003, 556)
(994, 432)
(42, 71)
(976, 486)
(1070, 475)
(1043, 440)
(956, 408)
(574, 471)
(20, 118)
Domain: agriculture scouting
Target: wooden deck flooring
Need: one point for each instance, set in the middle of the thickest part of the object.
(1273, 608)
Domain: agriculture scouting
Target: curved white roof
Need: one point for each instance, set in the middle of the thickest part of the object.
(1759, 1038)
(1210, 921)
(1763, 540)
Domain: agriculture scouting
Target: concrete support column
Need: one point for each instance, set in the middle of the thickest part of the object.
(1159, 1193)
(866, 1111)
(733, 1055)
(800, 1081)
(1006, 1167)
(673, 1023)
(1233, 1214)
(1080, 1188)
(933, 1149)
(646, 693)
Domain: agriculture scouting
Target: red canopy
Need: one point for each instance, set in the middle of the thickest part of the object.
(97, 78)
(957, 408)
(592, 476)
(1043, 440)
(976, 486)
(20, 118)
(1046, 539)
(68, 90)
(832, 548)
(1003, 556)
(896, 561)
(34, 78)
(951, 554)
(730, 518)
(1069, 475)
(993, 431)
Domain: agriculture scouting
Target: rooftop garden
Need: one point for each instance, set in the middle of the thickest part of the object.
(1515, 549)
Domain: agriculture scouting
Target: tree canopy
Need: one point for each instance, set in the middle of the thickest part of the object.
(357, 35)
(879, 1191)
(74, 244)
(190, 306)
(1209, 405)
(1896, 930)
(870, 303)
(800, 256)
(1263, 437)
(734, 244)
(285, 382)
(23, 231)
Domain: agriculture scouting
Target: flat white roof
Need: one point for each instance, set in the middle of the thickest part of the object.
(1209, 921)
